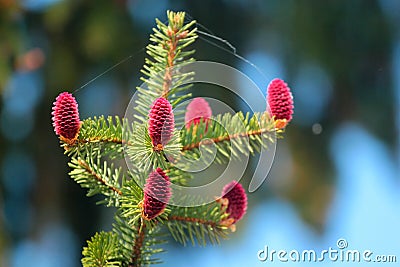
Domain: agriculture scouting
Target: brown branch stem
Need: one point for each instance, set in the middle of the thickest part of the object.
(137, 247)
(101, 140)
(94, 140)
(168, 70)
(225, 138)
(192, 220)
(98, 177)
(171, 44)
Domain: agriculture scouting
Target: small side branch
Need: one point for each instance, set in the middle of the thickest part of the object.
(171, 45)
(138, 245)
(192, 220)
(225, 138)
(95, 140)
(101, 140)
(97, 176)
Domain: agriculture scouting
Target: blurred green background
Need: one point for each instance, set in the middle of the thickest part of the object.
(336, 174)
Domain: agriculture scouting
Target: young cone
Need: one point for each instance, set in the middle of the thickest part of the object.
(280, 101)
(157, 193)
(237, 200)
(66, 117)
(197, 110)
(161, 123)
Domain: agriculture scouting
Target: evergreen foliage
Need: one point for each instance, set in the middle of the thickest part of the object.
(102, 142)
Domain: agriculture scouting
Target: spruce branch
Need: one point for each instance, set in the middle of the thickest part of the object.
(138, 242)
(98, 178)
(203, 224)
(132, 195)
(175, 33)
(177, 175)
(232, 135)
(99, 135)
(142, 154)
(138, 245)
(162, 71)
(192, 220)
(154, 149)
(102, 251)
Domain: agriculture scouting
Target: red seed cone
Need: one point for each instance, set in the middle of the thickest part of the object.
(66, 117)
(161, 123)
(157, 193)
(197, 109)
(280, 101)
(237, 200)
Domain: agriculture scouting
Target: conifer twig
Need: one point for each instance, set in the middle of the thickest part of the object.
(97, 176)
(226, 138)
(171, 44)
(192, 220)
(137, 247)
(96, 139)
(95, 144)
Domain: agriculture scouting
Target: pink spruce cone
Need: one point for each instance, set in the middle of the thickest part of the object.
(66, 117)
(157, 193)
(280, 101)
(237, 200)
(197, 109)
(161, 123)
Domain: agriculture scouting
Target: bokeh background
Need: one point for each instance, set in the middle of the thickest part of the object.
(335, 175)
